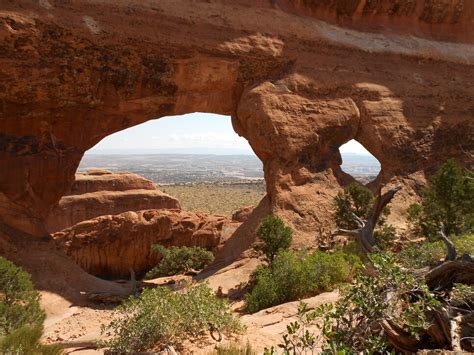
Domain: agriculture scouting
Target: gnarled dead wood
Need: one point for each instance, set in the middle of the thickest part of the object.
(365, 233)
(450, 272)
(451, 255)
(400, 339)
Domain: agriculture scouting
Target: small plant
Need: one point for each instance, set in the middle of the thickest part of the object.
(448, 203)
(19, 301)
(275, 235)
(26, 340)
(234, 349)
(298, 339)
(354, 323)
(355, 199)
(180, 260)
(295, 275)
(21, 317)
(162, 317)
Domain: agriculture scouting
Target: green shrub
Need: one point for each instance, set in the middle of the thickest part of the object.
(275, 235)
(26, 340)
(356, 199)
(385, 236)
(21, 317)
(179, 260)
(353, 324)
(430, 253)
(235, 349)
(296, 275)
(19, 301)
(447, 202)
(162, 317)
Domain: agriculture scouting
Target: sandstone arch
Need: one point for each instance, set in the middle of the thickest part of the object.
(296, 87)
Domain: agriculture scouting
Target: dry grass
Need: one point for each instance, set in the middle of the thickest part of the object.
(220, 199)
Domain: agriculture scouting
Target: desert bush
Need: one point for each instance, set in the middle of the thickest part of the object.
(21, 317)
(385, 236)
(357, 199)
(353, 324)
(179, 260)
(275, 235)
(162, 317)
(448, 202)
(26, 340)
(19, 301)
(234, 349)
(430, 253)
(295, 275)
(298, 339)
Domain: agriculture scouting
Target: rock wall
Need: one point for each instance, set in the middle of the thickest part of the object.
(109, 246)
(94, 195)
(396, 76)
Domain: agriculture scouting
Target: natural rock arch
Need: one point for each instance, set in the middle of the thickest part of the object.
(296, 88)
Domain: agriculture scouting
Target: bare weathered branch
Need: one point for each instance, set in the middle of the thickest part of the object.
(381, 202)
(365, 233)
(449, 273)
(451, 254)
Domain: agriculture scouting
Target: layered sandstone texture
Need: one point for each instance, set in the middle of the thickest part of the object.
(99, 193)
(299, 78)
(109, 246)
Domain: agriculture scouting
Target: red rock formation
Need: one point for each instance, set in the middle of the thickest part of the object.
(104, 180)
(94, 195)
(396, 76)
(242, 214)
(109, 246)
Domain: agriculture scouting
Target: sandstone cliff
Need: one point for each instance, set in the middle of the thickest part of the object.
(109, 246)
(300, 78)
(94, 195)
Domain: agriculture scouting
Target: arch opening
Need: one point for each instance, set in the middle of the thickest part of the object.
(197, 158)
(359, 163)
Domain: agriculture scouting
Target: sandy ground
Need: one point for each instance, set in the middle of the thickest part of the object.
(80, 325)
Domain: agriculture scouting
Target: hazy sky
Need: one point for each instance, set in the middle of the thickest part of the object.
(192, 133)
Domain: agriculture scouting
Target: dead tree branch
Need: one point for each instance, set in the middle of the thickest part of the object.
(451, 254)
(365, 233)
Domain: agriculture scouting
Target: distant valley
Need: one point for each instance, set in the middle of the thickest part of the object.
(169, 169)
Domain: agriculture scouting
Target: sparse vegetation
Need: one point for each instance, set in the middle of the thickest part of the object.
(234, 349)
(216, 198)
(162, 317)
(448, 203)
(179, 260)
(275, 237)
(431, 253)
(21, 317)
(296, 275)
(355, 324)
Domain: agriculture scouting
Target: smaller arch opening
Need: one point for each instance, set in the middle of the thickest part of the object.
(358, 162)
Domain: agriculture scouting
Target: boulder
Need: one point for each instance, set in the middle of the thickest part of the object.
(242, 214)
(109, 246)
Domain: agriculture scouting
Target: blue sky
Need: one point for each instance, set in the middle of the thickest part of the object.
(193, 133)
